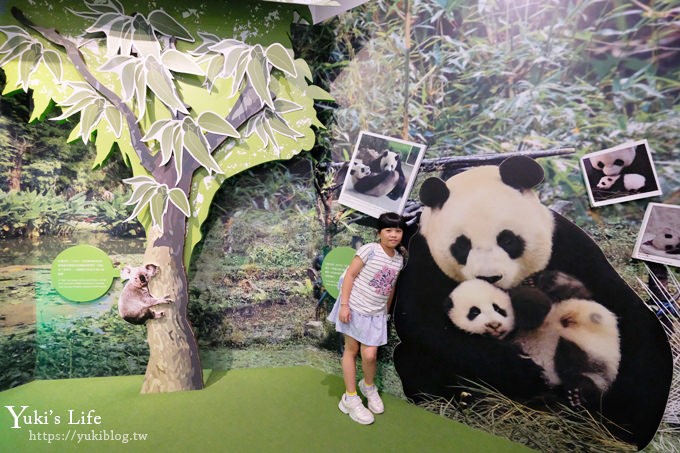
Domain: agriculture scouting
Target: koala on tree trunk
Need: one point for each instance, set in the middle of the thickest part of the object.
(135, 302)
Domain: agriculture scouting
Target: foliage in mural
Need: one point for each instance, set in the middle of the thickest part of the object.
(184, 115)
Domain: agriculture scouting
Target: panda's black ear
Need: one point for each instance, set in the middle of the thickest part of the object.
(521, 172)
(434, 193)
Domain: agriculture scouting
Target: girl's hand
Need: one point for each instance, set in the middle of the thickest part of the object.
(344, 314)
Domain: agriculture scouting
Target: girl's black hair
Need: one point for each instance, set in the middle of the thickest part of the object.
(391, 220)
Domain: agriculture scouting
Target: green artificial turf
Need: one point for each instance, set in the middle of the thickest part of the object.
(244, 410)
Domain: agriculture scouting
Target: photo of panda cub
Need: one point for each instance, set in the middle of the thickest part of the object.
(380, 173)
(382, 176)
(576, 344)
(659, 236)
(622, 173)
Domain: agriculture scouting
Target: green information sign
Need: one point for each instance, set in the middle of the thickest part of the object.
(334, 264)
(82, 273)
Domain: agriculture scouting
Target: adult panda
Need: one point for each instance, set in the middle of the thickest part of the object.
(389, 162)
(486, 223)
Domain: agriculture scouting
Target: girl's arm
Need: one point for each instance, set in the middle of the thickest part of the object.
(352, 271)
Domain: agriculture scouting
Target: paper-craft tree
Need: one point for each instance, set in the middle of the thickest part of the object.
(184, 115)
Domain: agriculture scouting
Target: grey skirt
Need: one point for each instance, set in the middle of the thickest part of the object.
(369, 330)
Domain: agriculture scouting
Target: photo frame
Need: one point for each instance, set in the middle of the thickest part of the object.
(380, 174)
(659, 236)
(622, 173)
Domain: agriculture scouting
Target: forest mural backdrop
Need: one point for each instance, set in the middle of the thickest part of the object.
(466, 78)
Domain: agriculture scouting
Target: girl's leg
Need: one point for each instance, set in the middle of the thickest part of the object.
(349, 367)
(369, 363)
(369, 359)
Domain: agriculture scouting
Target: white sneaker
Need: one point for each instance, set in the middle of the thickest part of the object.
(356, 410)
(375, 404)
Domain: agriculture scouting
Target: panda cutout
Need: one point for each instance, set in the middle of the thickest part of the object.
(576, 345)
(614, 162)
(488, 224)
(629, 182)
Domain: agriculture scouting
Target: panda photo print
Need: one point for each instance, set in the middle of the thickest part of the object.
(380, 174)
(622, 173)
(659, 237)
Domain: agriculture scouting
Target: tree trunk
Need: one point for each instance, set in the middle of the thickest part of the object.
(174, 364)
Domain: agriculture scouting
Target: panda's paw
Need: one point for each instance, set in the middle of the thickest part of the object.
(574, 397)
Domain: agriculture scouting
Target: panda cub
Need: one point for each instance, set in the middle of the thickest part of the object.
(358, 171)
(667, 240)
(631, 182)
(577, 345)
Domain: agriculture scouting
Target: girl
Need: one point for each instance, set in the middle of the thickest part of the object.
(360, 313)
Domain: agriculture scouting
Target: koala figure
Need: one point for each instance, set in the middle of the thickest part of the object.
(135, 302)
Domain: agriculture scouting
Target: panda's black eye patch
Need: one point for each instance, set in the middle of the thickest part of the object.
(473, 313)
(600, 164)
(618, 162)
(500, 311)
(511, 243)
(461, 249)
(668, 236)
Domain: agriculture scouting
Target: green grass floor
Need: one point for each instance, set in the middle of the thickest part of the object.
(243, 410)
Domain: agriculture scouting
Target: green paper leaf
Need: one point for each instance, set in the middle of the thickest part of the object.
(281, 59)
(28, 63)
(141, 204)
(285, 106)
(115, 119)
(139, 191)
(136, 180)
(259, 76)
(160, 82)
(143, 38)
(198, 147)
(212, 122)
(158, 205)
(179, 199)
(177, 61)
(53, 62)
(167, 142)
(166, 25)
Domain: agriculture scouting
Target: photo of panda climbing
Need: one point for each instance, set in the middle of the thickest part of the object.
(380, 174)
(659, 237)
(622, 173)
(501, 294)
